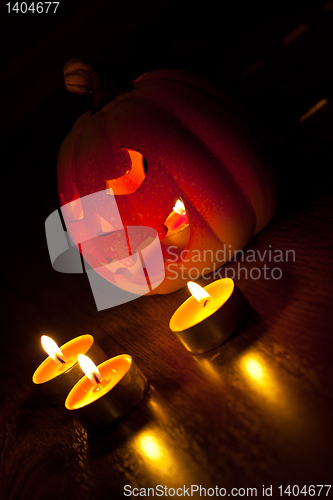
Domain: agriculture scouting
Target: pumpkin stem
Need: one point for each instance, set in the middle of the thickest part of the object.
(83, 78)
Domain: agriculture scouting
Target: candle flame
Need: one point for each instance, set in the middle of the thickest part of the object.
(179, 207)
(90, 369)
(52, 349)
(199, 293)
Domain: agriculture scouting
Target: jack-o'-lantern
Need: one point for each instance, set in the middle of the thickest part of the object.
(176, 160)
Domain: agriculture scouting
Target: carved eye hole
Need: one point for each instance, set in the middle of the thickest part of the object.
(131, 180)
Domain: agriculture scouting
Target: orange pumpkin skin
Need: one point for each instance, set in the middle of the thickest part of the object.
(195, 150)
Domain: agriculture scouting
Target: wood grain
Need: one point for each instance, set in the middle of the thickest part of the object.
(255, 411)
(206, 419)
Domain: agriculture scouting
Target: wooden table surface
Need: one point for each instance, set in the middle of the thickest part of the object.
(255, 411)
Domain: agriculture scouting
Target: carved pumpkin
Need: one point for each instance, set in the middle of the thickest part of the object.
(176, 159)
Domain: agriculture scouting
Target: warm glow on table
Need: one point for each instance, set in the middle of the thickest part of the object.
(50, 369)
(86, 392)
(192, 312)
(254, 370)
(151, 447)
(263, 378)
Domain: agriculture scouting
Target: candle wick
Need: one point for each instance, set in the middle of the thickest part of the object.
(96, 379)
(59, 359)
(207, 301)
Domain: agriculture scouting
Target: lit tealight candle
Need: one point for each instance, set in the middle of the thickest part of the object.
(107, 392)
(210, 316)
(177, 225)
(177, 220)
(60, 371)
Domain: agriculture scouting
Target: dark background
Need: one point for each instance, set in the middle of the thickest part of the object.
(240, 46)
(244, 49)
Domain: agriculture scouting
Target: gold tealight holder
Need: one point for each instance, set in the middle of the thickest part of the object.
(108, 392)
(210, 316)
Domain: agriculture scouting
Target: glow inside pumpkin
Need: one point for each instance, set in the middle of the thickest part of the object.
(171, 140)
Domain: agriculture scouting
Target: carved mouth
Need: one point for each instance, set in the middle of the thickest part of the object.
(138, 266)
(176, 239)
(130, 266)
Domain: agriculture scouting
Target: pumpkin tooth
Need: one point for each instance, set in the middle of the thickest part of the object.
(130, 265)
(102, 226)
(114, 266)
(73, 211)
